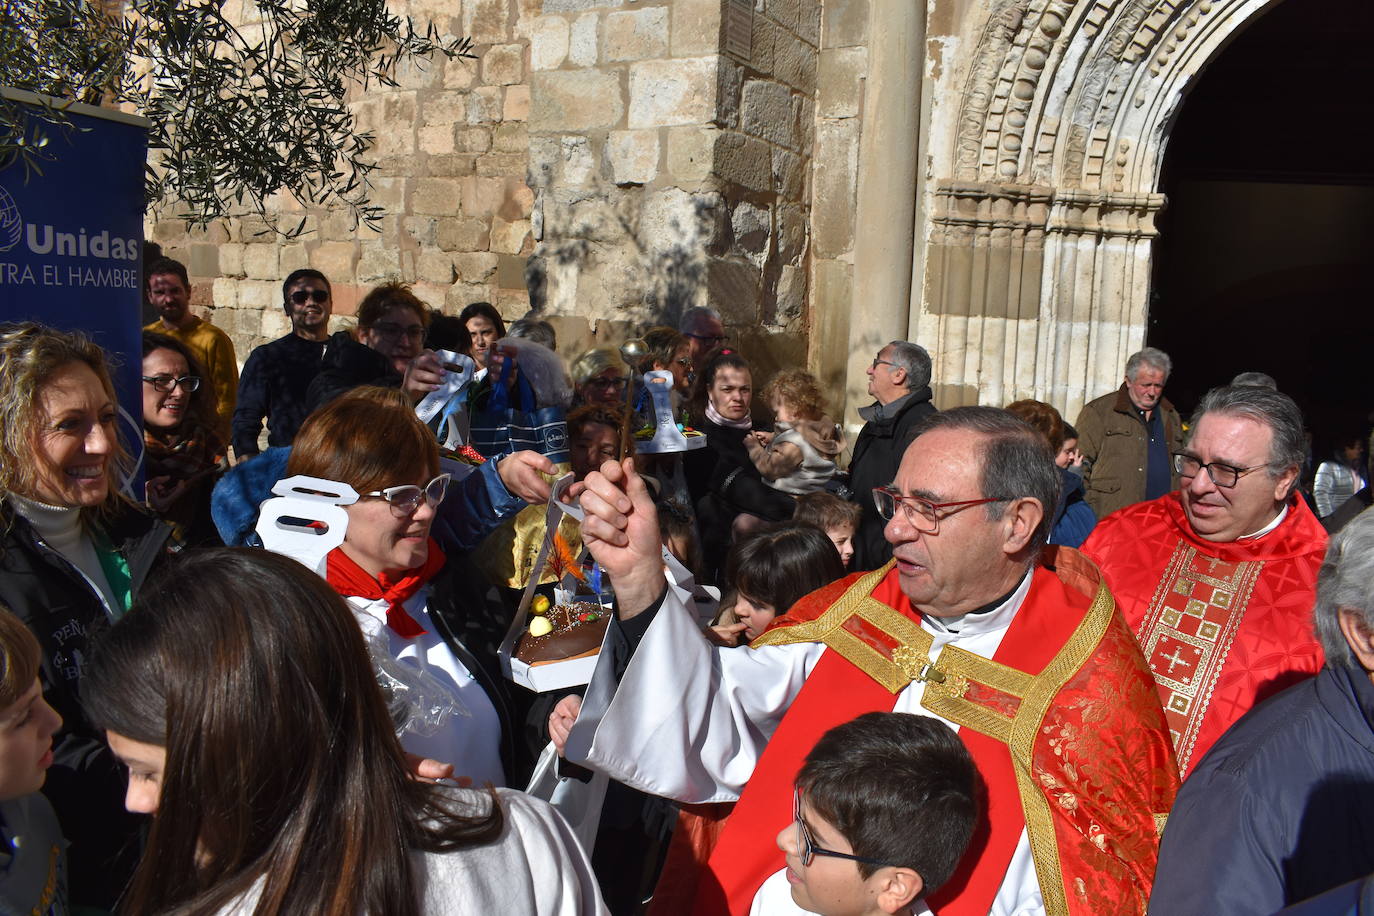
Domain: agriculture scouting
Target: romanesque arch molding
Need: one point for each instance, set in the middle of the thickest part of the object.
(1043, 230)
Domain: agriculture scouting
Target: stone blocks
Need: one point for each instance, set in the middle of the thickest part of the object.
(667, 93)
(637, 34)
(575, 100)
(632, 156)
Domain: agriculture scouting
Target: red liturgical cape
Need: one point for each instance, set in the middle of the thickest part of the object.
(1063, 724)
(1222, 626)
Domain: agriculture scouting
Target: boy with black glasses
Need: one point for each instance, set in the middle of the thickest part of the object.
(885, 806)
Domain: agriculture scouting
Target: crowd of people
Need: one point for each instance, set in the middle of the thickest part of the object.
(972, 660)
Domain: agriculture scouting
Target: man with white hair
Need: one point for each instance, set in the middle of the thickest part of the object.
(1128, 436)
(1279, 810)
(899, 380)
(1216, 579)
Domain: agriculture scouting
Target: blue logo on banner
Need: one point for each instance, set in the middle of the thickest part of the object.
(11, 223)
(70, 243)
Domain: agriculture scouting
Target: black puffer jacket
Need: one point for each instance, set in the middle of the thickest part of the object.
(346, 365)
(86, 784)
(723, 482)
(877, 453)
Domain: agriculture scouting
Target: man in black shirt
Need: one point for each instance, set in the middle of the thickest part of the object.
(277, 374)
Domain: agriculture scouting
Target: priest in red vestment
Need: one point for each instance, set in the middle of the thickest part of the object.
(1218, 579)
(1025, 656)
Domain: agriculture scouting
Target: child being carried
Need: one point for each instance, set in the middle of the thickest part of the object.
(800, 456)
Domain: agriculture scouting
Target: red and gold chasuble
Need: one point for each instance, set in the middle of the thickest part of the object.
(1062, 723)
(1223, 626)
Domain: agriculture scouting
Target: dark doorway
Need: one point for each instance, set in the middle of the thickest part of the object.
(1265, 258)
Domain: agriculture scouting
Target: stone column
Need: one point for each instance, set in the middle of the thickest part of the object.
(885, 212)
(1094, 295)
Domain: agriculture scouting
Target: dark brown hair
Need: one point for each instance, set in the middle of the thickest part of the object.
(717, 359)
(368, 438)
(1042, 418)
(203, 401)
(166, 266)
(382, 299)
(282, 766)
(481, 310)
(662, 344)
(902, 789)
(780, 564)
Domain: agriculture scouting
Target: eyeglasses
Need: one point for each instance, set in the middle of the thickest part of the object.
(806, 846)
(302, 296)
(714, 340)
(922, 514)
(188, 383)
(1223, 475)
(606, 383)
(392, 331)
(882, 362)
(406, 499)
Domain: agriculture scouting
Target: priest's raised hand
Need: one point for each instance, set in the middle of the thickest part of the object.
(620, 531)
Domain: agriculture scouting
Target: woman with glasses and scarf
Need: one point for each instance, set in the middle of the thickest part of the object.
(184, 455)
(397, 580)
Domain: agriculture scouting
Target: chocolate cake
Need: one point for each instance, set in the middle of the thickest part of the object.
(578, 630)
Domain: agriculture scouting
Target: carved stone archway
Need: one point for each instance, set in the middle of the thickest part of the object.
(1039, 241)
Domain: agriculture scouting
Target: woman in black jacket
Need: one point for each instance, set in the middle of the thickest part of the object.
(721, 479)
(73, 553)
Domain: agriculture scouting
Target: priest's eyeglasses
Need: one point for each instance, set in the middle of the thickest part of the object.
(406, 499)
(806, 846)
(1223, 475)
(922, 514)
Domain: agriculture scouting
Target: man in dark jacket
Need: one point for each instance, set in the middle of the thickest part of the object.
(277, 374)
(899, 379)
(1280, 809)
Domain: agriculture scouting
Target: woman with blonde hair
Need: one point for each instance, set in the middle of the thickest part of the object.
(599, 377)
(74, 552)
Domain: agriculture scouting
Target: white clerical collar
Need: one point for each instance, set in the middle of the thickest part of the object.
(1277, 520)
(991, 620)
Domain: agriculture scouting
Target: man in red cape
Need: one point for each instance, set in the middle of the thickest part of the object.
(1030, 662)
(1218, 579)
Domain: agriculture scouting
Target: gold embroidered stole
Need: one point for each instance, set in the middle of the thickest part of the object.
(1187, 634)
(991, 698)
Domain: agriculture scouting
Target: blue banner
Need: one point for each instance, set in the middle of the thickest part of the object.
(71, 241)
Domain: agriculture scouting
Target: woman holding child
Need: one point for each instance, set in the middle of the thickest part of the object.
(721, 479)
(241, 696)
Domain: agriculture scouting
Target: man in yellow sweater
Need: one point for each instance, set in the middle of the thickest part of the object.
(169, 290)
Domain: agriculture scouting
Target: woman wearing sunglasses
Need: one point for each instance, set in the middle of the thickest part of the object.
(185, 456)
(393, 574)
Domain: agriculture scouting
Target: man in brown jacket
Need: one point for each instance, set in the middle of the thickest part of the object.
(1128, 437)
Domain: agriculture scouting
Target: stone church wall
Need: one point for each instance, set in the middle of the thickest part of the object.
(452, 152)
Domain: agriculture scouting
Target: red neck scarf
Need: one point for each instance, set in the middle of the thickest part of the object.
(351, 580)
